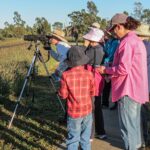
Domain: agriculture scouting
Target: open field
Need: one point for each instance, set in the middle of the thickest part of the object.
(35, 126)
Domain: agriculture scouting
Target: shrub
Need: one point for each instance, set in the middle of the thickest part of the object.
(12, 77)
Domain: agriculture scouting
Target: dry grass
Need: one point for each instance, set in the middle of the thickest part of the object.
(39, 129)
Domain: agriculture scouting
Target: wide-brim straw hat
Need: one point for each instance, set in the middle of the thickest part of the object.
(143, 30)
(94, 35)
(76, 56)
(59, 34)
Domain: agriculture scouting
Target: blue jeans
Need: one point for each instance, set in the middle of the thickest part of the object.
(79, 131)
(130, 122)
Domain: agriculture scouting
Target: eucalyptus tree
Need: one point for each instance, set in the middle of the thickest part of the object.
(58, 25)
(146, 16)
(41, 26)
(83, 19)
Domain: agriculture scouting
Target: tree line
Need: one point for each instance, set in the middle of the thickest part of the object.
(80, 20)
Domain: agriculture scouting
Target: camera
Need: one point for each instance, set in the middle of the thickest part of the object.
(45, 39)
(42, 38)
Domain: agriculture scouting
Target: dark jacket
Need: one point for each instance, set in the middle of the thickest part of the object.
(95, 55)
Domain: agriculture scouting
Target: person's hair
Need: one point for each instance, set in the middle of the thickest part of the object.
(131, 23)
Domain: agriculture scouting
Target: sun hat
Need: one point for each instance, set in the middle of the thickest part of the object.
(143, 30)
(76, 56)
(118, 18)
(94, 35)
(59, 34)
(96, 25)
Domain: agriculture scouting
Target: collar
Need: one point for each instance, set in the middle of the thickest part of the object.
(77, 68)
(128, 34)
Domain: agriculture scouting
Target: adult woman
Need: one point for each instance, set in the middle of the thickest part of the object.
(143, 32)
(129, 78)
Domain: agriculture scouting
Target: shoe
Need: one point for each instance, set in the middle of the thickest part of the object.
(103, 136)
(140, 146)
(91, 140)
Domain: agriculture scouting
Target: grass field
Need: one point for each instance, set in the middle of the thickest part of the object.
(36, 125)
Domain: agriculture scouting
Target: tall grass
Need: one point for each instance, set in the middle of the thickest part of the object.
(39, 129)
(14, 64)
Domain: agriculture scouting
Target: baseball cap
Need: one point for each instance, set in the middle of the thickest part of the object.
(118, 18)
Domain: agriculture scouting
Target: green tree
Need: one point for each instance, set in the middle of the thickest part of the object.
(17, 20)
(146, 16)
(103, 23)
(9, 30)
(82, 19)
(92, 9)
(15, 30)
(41, 26)
(138, 9)
(126, 13)
(29, 30)
(58, 25)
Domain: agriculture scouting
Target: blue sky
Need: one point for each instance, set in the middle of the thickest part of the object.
(57, 10)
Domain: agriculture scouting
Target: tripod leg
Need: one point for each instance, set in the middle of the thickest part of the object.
(25, 82)
(42, 60)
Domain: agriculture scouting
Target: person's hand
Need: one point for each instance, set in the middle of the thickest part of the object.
(86, 43)
(102, 69)
(56, 72)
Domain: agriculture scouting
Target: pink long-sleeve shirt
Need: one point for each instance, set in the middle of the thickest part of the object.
(129, 70)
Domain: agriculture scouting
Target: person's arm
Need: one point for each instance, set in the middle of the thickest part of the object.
(63, 90)
(101, 56)
(57, 56)
(125, 61)
(98, 56)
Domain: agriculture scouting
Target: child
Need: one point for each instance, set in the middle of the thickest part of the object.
(95, 53)
(78, 88)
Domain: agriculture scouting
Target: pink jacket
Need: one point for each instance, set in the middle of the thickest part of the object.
(129, 70)
(99, 80)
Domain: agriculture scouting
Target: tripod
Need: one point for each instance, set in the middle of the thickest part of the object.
(37, 55)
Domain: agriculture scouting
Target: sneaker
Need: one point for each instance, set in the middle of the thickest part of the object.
(103, 136)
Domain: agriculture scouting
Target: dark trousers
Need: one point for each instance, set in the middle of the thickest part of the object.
(106, 94)
(98, 120)
(145, 118)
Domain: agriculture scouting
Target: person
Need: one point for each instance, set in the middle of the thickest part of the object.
(60, 54)
(110, 45)
(143, 32)
(78, 87)
(129, 77)
(59, 42)
(95, 53)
